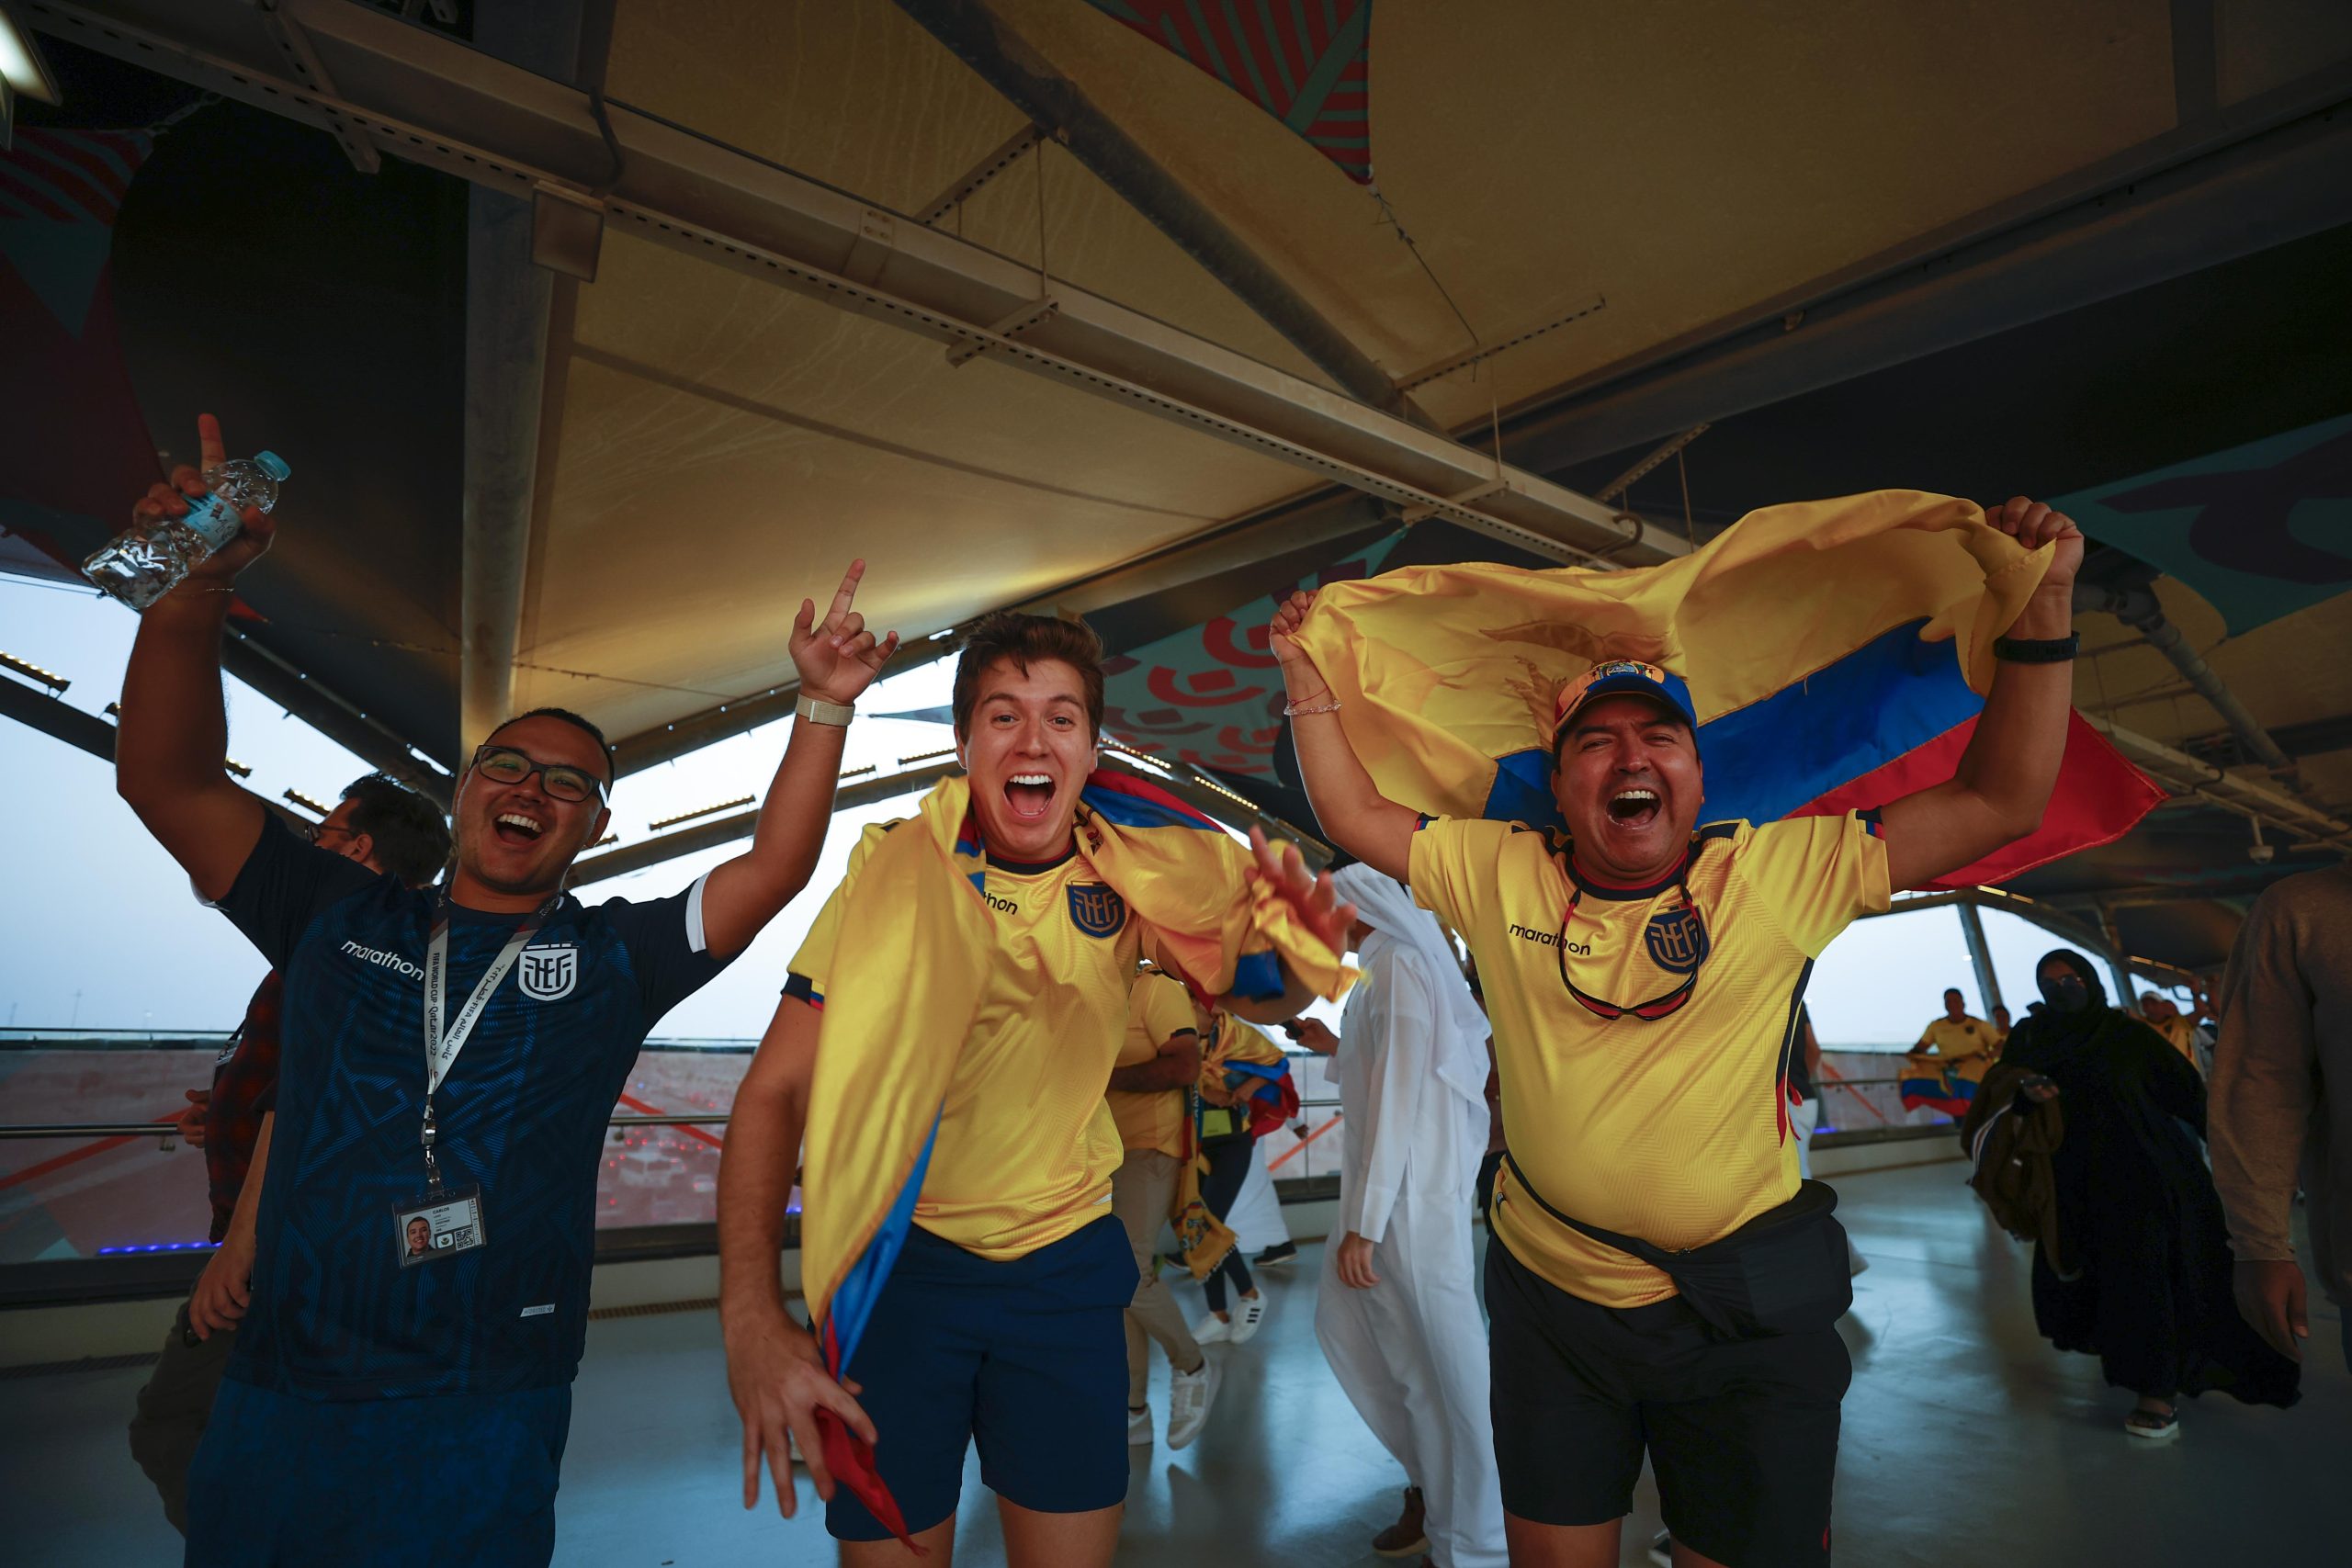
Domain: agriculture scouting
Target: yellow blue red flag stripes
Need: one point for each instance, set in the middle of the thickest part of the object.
(904, 990)
(1837, 653)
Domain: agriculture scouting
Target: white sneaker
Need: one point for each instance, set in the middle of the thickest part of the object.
(1189, 1394)
(1139, 1427)
(1212, 1330)
(1248, 1313)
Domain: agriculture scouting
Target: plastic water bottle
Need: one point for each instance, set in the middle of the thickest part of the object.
(151, 559)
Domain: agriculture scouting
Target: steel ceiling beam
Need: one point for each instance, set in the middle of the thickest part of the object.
(53, 716)
(1022, 75)
(429, 99)
(2183, 774)
(331, 714)
(2060, 924)
(509, 301)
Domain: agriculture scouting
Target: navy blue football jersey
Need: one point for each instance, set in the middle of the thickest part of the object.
(522, 1113)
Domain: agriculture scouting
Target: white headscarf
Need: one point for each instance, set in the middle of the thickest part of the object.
(1382, 902)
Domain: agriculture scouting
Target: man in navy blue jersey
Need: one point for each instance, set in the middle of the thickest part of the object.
(401, 1388)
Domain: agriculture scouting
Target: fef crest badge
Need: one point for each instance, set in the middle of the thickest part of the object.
(548, 973)
(1677, 939)
(1096, 910)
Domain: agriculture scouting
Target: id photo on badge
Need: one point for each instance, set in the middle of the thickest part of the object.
(443, 1227)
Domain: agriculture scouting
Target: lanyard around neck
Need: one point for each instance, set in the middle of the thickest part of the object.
(441, 1048)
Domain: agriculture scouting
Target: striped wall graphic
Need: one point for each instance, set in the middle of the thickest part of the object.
(1304, 61)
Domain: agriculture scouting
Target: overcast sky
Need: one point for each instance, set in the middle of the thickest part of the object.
(100, 930)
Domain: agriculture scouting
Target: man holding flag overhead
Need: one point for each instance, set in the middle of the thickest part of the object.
(944, 1041)
(1660, 1278)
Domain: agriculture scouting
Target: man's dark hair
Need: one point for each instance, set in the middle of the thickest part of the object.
(412, 836)
(1955, 991)
(577, 721)
(1004, 634)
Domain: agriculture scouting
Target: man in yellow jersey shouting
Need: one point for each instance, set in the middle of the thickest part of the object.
(945, 1041)
(1659, 1279)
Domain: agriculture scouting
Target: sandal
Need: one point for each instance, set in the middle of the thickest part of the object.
(2150, 1427)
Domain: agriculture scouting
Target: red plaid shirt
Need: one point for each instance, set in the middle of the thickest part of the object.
(244, 1090)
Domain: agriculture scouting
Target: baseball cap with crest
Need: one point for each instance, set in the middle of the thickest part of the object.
(1624, 678)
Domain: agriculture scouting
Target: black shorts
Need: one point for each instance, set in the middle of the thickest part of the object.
(1027, 1358)
(1743, 1434)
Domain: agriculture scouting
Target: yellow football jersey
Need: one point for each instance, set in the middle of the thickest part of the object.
(1966, 1047)
(1673, 1128)
(1026, 1144)
(1158, 1009)
(2180, 1033)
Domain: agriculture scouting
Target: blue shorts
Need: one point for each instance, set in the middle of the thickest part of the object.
(467, 1479)
(1027, 1358)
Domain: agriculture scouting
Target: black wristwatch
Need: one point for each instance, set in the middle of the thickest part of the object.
(2037, 651)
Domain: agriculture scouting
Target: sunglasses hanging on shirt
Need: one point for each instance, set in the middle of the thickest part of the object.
(1678, 942)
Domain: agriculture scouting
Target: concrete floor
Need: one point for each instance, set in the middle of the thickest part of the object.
(1968, 1441)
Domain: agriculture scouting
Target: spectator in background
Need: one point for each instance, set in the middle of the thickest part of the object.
(2000, 1021)
(1157, 1064)
(1397, 1293)
(2141, 1225)
(1257, 1218)
(1948, 1062)
(2286, 1041)
(1223, 1114)
(390, 830)
(2165, 1018)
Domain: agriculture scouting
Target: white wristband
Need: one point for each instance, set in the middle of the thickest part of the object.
(835, 714)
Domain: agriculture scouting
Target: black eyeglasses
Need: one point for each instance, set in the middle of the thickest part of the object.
(319, 830)
(1678, 942)
(503, 764)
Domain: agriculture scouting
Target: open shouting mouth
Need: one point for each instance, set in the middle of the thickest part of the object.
(1635, 807)
(517, 827)
(1030, 796)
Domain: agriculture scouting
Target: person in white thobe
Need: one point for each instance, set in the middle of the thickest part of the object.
(1256, 1217)
(1397, 1310)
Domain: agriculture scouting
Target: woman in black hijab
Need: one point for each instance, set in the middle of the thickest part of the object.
(2137, 1211)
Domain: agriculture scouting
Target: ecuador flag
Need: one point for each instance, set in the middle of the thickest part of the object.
(903, 995)
(1924, 1088)
(1837, 653)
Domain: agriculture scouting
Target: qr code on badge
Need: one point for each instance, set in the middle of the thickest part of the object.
(442, 1228)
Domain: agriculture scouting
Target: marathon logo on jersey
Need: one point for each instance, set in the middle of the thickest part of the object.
(548, 973)
(1677, 939)
(1095, 910)
(1552, 939)
(383, 960)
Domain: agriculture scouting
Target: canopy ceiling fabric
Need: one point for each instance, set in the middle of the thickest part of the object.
(1766, 158)
(1582, 190)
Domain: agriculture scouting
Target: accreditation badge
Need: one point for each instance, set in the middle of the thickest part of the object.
(437, 1225)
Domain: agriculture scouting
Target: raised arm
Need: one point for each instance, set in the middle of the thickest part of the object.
(2011, 763)
(837, 660)
(1353, 812)
(773, 1367)
(173, 735)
